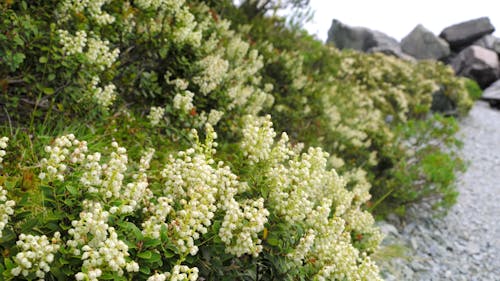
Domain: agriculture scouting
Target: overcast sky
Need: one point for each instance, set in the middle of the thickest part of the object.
(398, 17)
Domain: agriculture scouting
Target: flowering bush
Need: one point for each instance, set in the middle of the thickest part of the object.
(148, 194)
(126, 219)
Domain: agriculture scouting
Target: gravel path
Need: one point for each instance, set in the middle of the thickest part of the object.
(464, 245)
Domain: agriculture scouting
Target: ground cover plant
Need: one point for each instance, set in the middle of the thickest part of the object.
(157, 140)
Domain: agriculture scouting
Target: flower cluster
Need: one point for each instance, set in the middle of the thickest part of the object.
(114, 173)
(213, 70)
(241, 225)
(93, 7)
(72, 45)
(3, 146)
(171, 5)
(303, 248)
(186, 30)
(6, 209)
(98, 245)
(99, 53)
(158, 215)
(155, 115)
(179, 273)
(184, 102)
(137, 191)
(214, 116)
(60, 155)
(36, 253)
(191, 181)
(258, 137)
(102, 96)
(303, 191)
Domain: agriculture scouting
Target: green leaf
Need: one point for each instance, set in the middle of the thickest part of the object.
(9, 264)
(132, 229)
(48, 91)
(29, 225)
(168, 253)
(43, 59)
(51, 77)
(164, 233)
(145, 255)
(151, 243)
(72, 190)
(155, 257)
(145, 270)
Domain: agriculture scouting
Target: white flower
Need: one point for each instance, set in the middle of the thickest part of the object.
(155, 115)
(213, 71)
(3, 146)
(99, 54)
(241, 226)
(60, 156)
(258, 137)
(72, 44)
(6, 209)
(214, 116)
(35, 254)
(184, 102)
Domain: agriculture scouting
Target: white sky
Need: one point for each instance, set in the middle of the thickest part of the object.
(398, 17)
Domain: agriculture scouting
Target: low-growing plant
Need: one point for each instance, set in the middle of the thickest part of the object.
(111, 169)
(90, 212)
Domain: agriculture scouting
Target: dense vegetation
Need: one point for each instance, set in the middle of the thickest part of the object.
(192, 140)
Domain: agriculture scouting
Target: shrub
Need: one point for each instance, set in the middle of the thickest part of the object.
(107, 176)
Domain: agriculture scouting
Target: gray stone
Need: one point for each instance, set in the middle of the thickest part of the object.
(492, 93)
(422, 44)
(477, 63)
(388, 229)
(364, 39)
(463, 34)
(489, 42)
(473, 248)
(391, 50)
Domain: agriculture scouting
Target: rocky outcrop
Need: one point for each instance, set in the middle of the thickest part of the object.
(465, 33)
(468, 47)
(489, 42)
(363, 39)
(477, 63)
(422, 44)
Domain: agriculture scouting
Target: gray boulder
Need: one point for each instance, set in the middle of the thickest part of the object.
(363, 39)
(463, 34)
(489, 42)
(422, 44)
(477, 63)
(394, 51)
(492, 94)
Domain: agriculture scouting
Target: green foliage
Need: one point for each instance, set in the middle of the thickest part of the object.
(473, 89)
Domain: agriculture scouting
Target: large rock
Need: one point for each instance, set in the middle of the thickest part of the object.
(393, 50)
(492, 94)
(477, 63)
(363, 39)
(463, 34)
(422, 44)
(489, 42)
